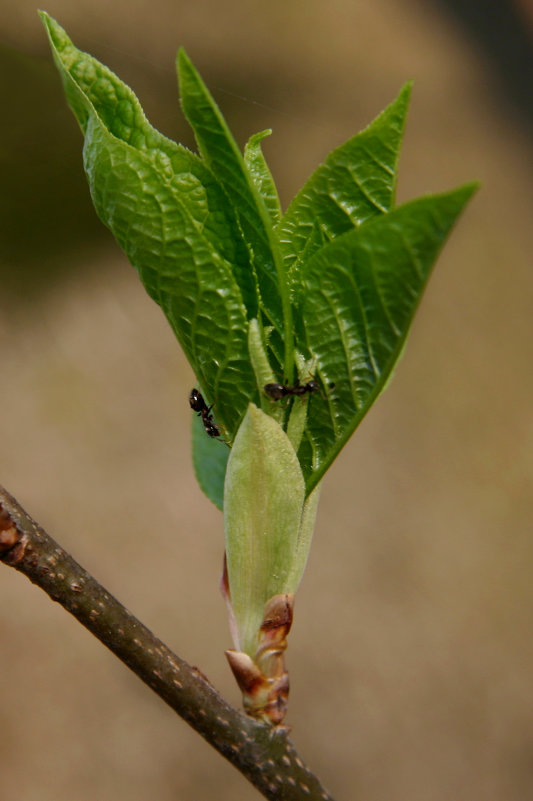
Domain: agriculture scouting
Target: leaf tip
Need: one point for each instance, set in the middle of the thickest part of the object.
(471, 187)
(46, 19)
(407, 88)
(463, 193)
(183, 62)
(182, 55)
(57, 35)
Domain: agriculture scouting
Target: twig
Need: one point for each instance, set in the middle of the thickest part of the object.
(263, 754)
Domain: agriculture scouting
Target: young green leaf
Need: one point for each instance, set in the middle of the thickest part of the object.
(360, 295)
(172, 219)
(220, 152)
(305, 536)
(263, 504)
(210, 458)
(262, 370)
(200, 232)
(356, 182)
(261, 175)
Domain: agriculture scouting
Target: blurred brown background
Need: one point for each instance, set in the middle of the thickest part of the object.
(411, 656)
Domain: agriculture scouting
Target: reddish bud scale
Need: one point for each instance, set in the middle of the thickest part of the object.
(263, 680)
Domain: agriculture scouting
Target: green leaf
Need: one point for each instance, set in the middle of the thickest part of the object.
(263, 371)
(356, 182)
(305, 536)
(263, 505)
(360, 294)
(210, 458)
(200, 231)
(221, 154)
(261, 175)
(172, 218)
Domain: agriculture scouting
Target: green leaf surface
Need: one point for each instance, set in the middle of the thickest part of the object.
(222, 155)
(261, 175)
(360, 295)
(356, 182)
(305, 537)
(263, 505)
(250, 296)
(172, 218)
(263, 371)
(210, 458)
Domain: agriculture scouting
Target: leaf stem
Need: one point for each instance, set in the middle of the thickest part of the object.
(263, 754)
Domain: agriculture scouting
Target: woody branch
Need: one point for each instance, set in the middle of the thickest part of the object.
(262, 753)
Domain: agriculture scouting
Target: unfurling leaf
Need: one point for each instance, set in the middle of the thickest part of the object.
(263, 505)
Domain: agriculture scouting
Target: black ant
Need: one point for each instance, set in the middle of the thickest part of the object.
(279, 391)
(198, 404)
